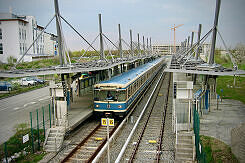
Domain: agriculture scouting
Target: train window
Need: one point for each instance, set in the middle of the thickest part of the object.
(135, 86)
(129, 91)
(105, 95)
(121, 95)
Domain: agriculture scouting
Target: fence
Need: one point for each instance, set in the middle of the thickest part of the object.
(200, 154)
(29, 138)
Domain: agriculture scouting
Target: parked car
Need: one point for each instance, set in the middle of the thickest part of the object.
(27, 82)
(83, 76)
(5, 86)
(39, 81)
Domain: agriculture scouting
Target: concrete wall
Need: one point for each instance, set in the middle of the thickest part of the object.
(49, 44)
(238, 142)
(9, 40)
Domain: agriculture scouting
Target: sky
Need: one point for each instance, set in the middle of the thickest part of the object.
(151, 18)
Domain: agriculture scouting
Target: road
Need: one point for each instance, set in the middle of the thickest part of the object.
(16, 109)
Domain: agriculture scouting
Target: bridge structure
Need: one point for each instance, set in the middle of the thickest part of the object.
(127, 59)
(188, 60)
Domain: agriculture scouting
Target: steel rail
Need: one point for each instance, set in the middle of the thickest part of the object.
(136, 124)
(76, 149)
(163, 122)
(80, 144)
(145, 124)
(102, 144)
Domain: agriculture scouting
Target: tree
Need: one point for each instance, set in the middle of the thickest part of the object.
(239, 54)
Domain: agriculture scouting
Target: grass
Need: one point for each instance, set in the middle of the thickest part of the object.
(31, 158)
(217, 151)
(15, 145)
(229, 91)
(39, 64)
(56, 61)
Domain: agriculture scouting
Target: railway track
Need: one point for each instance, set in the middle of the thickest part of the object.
(149, 143)
(86, 149)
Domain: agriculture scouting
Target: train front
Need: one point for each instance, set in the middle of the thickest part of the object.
(109, 99)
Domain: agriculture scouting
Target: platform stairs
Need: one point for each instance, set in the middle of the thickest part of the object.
(55, 136)
(185, 148)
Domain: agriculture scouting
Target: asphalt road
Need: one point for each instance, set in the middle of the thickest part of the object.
(16, 109)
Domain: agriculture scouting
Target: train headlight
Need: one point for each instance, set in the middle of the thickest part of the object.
(97, 106)
(119, 106)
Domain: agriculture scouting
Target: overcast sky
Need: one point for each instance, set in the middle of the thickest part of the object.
(151, 18)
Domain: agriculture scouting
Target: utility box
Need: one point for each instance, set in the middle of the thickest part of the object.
(59, 105)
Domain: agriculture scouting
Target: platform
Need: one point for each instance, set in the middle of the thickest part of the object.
(81, 109)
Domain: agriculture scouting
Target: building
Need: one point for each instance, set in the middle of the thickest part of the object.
(164, 49)
(17, 33)
(169, 49)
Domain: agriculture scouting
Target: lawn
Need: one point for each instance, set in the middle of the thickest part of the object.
(217, 151)
(230, 91)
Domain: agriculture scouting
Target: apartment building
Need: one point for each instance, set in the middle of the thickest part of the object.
(165, 49)
(17, 33)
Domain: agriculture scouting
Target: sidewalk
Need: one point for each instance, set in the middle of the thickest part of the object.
(218, 123)
(81, 109)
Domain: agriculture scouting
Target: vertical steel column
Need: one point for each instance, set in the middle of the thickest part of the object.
(38, 137)
(211, 57)
(58, 28)
(49, 116)
(139, 43)
(6, 152)
(147, 46)
(198, 41)
(102, 55)
(120, 41)
(188, 42)
(131, 42)
(192, 37)
(143, 45)
(197, 51)
(150, 46)
(43, 122)
(32, 140)
(185, 44)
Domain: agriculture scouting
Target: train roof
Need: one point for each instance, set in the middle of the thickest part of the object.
(129, 76)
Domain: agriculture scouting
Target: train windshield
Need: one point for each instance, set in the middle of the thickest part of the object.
(109, 95)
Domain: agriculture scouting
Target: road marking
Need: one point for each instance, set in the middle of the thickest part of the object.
(45, 98)
(17, 108)
(30, 103)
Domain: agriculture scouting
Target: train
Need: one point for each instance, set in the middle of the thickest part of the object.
(116, 95)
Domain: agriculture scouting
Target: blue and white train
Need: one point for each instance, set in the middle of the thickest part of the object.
(118, 94)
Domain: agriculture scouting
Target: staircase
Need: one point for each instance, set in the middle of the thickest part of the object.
(54, 139)
(185, 151)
